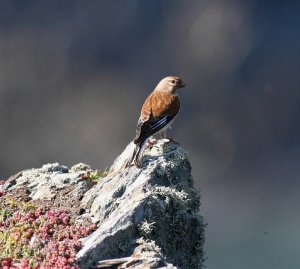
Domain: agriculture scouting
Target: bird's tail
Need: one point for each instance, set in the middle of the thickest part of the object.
(137, 155)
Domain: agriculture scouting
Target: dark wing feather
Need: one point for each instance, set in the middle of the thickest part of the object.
(149, 127)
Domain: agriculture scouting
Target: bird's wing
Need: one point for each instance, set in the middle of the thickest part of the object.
(149, 127)
(158, 110)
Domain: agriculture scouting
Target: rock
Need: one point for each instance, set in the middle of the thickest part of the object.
(57, 184)
(146, 255)
(157, 203)
(146, 218)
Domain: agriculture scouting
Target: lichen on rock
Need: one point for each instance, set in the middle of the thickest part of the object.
(157, 203)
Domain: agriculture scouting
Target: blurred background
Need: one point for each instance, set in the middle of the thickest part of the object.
(74, 74)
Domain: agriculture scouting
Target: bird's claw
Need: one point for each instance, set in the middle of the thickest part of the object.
(151, 143)
(171, 140)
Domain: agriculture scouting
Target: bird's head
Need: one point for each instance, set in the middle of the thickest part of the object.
(170, 85)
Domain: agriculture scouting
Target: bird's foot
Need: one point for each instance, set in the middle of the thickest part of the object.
(171, 140)
(151, 143)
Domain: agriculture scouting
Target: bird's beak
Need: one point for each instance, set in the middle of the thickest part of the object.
(182, 85)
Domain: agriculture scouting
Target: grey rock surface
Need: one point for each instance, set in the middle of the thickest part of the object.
(44, 183)
(52, 184)
(157, 203)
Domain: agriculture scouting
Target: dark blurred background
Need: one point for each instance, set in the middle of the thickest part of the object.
(74, 74)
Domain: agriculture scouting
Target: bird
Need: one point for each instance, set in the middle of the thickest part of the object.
(157, 114)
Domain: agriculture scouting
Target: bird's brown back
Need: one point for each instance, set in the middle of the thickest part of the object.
(158, 104)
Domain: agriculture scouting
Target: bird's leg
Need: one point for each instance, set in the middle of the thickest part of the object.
(163, 134)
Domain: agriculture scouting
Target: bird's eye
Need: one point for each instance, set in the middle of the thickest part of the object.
(173, 81)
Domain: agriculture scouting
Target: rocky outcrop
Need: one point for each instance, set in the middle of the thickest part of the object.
(146, 218)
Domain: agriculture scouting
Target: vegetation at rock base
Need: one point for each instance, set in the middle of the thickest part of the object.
(95, 176)
(33, 237)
